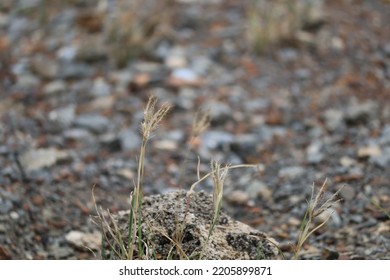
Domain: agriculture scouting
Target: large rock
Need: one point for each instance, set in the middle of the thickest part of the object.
(230, 240)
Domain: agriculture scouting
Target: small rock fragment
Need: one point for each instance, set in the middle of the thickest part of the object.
(84, 240)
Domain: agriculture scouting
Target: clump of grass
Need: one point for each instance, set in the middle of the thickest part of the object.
(218, 175)
(316, 206)
(124, 249)
(134, 26)
(152, 118)
(377, 205)
(271, 22)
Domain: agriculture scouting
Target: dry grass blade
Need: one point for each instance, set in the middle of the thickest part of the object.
(314, 209)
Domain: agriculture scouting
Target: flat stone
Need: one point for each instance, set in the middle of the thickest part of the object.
(333, 119)
(93, 122)
(77, 134)
(84, 240)
(258, 189)
(214, 139)
(130, 140)
(36, 159)
(63, 117)
(54, 87)
(360, 112)
(291, 172)
(230, 239)
(369, 151)
(238, 197)
(347, 192)
(5, 206)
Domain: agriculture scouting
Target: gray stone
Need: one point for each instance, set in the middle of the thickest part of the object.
(313, 153)
(5, 206)
(63, 117)
(36, 159)
(27, 81)
(302, 74)
(334, 119)
(245, 145)
(219, 112)
(77, 134)
(230, 239)
(361, 112)
(382, 160)
(201, 65)
(291, 172)
(237, 197)
(45, 69)
(185, 98)
(185, 74)
(258, 189)
(67, 53)
(54, 87)
(347, 192)
(71, 70)
(216, 139)
(385, 136)
(130, 140)
(93, 122)
(100, 87)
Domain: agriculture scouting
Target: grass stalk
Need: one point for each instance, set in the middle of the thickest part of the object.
(315, 207)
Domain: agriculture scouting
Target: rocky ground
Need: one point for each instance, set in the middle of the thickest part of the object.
(305, 110)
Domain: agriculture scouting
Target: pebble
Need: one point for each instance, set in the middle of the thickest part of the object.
(63, 117)
(101, 87)
(369, 151)
(238, 197)
(185, 99)
(347, 192)
(245, 145)
(73, 70)
(216, 139)
(258, 189)
(313, 152)
(291, 172)
(78, 134)
(36, 159)
(54, 87)
(5, 206)
(219, 111)
(185, 74)
(347, 161)
(360, 112)
(67, 53)
(93, 122)
(385, 136)
(44, 69)
(27, 81)
(382, 160)
(110, 141)
(84, 240)
(130, 140)
(201, 65)
(334, 119)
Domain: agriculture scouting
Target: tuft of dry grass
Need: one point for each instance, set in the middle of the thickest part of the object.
(271, 22)
(134, 26)
(111, 235)
(316, 206)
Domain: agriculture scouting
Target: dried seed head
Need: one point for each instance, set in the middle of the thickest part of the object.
(152, 117)
(201, 123)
